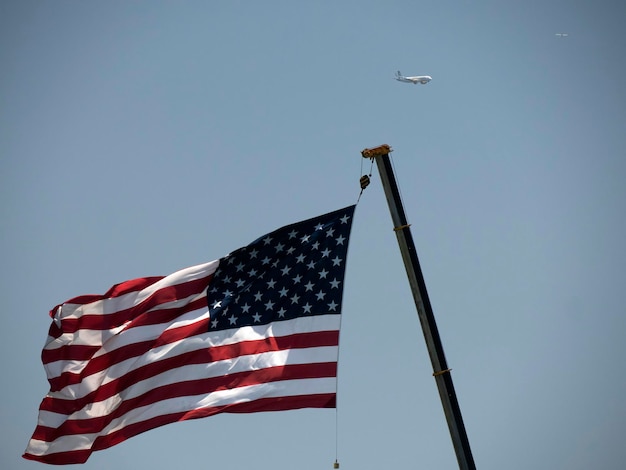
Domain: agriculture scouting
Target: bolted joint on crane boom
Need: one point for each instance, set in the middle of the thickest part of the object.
(376, 151)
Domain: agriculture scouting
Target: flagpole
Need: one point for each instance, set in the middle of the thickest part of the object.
(441, 372)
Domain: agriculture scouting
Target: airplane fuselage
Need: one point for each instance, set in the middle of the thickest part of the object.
(423, 79)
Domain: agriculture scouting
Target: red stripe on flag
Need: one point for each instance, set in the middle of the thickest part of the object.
(201, 356)
(184, 389)
(123, 288)
(109, 321)
(153, 317)
(129, 351)
(324, 400)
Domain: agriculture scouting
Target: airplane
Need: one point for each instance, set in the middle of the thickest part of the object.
(423, 79)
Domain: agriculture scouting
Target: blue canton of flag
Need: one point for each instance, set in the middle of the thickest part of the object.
(295, 271)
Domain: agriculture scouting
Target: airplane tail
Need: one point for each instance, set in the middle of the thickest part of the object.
(398, 74)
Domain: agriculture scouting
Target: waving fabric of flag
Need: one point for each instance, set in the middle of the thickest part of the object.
(257, 330)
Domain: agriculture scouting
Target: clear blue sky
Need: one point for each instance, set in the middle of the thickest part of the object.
(138, 138)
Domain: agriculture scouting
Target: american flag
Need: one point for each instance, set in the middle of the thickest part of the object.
(257, 330)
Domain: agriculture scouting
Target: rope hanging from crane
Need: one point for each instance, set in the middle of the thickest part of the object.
(371, 154)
